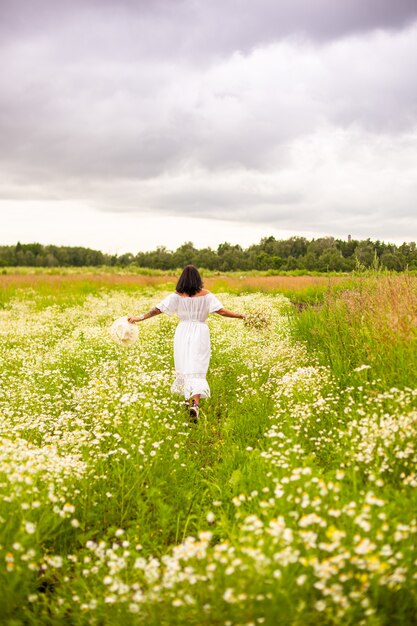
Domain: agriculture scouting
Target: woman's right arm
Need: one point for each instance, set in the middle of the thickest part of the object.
(227, 313)
(146, 316)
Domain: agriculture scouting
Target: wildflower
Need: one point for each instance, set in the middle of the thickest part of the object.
(229, 596)
(9, 558)
(30, 528)
(364, 546)
(362, 367)
(258, 319)
(205, 536)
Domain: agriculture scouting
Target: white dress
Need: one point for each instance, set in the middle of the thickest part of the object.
(191, 341)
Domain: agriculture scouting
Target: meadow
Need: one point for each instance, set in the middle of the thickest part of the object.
(292, 501)
(74, 283)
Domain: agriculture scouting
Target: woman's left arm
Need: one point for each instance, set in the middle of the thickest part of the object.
(227, 313)
(146, 316)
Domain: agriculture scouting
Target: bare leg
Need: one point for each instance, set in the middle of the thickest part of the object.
(194, 410)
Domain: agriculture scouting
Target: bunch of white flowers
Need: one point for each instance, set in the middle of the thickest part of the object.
(258, 319)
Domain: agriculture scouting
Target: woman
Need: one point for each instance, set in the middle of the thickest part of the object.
(192, 304)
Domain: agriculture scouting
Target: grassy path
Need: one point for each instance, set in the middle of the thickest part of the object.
(291, 502)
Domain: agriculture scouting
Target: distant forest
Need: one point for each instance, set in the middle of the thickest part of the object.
(296, 253)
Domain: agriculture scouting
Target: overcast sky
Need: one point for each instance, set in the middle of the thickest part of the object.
(127, 124)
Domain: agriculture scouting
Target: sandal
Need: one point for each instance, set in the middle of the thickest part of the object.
(194, 412)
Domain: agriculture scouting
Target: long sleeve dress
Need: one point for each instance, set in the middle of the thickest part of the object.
(191, 341)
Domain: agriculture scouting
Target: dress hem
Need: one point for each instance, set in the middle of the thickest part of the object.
(190, 386)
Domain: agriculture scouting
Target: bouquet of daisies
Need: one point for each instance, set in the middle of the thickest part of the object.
(258, 319)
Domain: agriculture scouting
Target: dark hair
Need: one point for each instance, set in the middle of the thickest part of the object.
(190, 281)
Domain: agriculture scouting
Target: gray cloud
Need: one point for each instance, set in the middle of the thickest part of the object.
(187, 27)
(87, 121)
(285, 113)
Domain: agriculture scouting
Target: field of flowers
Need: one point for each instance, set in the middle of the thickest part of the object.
(291, 502)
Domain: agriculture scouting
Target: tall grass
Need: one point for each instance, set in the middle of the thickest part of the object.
(65, 286)
(372, 324)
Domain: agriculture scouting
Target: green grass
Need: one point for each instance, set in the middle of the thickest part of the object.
(374, 323)
(144, 271)
(68, 286)
(291, 502)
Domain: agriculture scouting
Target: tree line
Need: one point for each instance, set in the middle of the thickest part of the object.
(324, 254)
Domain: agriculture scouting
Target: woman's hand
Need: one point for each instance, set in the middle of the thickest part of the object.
(133, 320)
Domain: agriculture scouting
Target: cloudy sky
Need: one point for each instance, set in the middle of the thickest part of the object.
(127, 124)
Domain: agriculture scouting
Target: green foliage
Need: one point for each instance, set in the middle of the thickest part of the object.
(325, 254)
